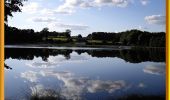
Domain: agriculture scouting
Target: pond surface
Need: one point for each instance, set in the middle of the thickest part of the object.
(83, 74)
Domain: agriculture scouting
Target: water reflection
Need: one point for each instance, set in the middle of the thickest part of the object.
(133, 56)
(73, 86)
(56, 61)
(84, 74)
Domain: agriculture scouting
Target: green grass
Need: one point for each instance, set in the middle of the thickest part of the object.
(109, 42)
(74, 40)
(99, 41)
(94, 41)
(59, 39)
(56, 37)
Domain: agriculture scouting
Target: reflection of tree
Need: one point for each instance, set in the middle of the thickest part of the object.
(79, 52)
(7, 67)
(141, 55)
(133, 56)
(45, 55)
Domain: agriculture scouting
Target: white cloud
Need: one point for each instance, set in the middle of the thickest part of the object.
(31, 7)
(144, 2)
(155, 19)
(44, 19)
(142, 27)
(117, 3)
(69, 26)
(156, 70)
(120, 3)
(86, 5)
(103, 1)
(65, 9)
(47, 12)
(70, 6)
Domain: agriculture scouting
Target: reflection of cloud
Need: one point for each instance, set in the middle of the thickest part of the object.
(141, 85)
(78, 58)
(41, 65)
(30, 76)
(77, 85)
(157, 70)
(74, 87)
(56, 61)
(108, 86)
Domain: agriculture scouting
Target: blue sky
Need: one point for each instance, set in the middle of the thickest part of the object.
(87, 16)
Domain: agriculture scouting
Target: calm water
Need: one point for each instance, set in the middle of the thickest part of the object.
(88, 74)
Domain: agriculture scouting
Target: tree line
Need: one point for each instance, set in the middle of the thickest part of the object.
(132, 55)
(133, 37)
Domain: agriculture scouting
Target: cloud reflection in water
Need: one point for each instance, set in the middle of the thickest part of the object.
(75, 86)
(156, 70)
(56, 61)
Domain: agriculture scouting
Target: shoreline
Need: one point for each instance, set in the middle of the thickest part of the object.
(44, 45)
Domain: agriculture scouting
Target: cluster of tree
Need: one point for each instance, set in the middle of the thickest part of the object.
(132, 55)
(128, 38)
(131, 38)
(14, 35)
(143, 38)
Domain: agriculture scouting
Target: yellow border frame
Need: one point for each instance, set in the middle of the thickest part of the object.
(2, 50)
(167, 50)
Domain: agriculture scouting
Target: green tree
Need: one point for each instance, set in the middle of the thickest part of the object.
(79, 36)
(45, 32)
(132, 37)
(68, 33)
(12, 6)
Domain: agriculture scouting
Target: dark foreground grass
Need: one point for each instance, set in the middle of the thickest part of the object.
(142, 97)
(46, 94)
(45, 98)
(128, 97)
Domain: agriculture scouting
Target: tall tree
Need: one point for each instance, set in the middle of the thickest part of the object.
(45, 33)
(12, 6)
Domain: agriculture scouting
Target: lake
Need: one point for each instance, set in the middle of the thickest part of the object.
(83, 73)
